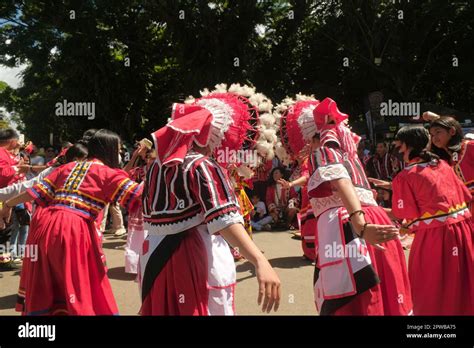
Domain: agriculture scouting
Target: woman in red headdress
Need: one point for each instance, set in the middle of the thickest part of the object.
(360, 268)
(191, 211)
(293, 148)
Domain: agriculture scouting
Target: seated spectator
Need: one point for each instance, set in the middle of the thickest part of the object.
(282, 203)
(260, 219)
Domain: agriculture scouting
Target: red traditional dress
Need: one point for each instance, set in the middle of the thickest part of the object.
(186, 267)
(351, 278)
(8, 174)
(441, 264)
(463, 164)
(69, 276)
(260, 179)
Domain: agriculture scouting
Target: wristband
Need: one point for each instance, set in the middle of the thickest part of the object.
(355, 212)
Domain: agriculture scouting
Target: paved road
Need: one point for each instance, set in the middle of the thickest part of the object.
(284, 253)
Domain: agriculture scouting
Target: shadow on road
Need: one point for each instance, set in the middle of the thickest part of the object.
(118, 273)
(7, 302)
(113, 245)
(289, 262)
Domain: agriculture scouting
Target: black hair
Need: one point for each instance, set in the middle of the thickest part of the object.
(87, 136)
(454, 144)
(89, 133)
(270, 177)
(418, 139)
(253, 193)
(104, 145)
(76, 151)
(8, 134)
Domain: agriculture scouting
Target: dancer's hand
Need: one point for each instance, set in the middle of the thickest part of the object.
(381, 183)
(140, 151)
(430, 116)
(5, 215)
(376, 234)
(269, 286)
(23, 168)
(268, 281)
(284, 183)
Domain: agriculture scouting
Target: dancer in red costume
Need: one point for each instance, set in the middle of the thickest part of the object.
(69, 276)
(360, 267)
(448, 144)
(191, 212)
(294, 149)
(433, 201)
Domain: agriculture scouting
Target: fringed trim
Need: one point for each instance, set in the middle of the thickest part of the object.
(283, 149)
(306, 123)
(221, 120)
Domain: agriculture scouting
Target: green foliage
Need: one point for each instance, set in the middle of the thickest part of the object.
(134, 58)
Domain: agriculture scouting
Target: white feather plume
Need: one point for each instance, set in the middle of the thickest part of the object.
(205, 92)
(220, 88)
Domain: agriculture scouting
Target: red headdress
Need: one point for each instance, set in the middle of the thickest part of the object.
(294, 114)
(225, 121)
(332, 126)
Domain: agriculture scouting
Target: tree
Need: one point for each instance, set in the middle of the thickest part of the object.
(134, 58)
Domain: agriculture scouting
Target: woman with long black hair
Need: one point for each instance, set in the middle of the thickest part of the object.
(68, 275)
(448, 143)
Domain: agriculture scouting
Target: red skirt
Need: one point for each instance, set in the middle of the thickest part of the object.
(189, 273)
(308, 236)
(180, 288)
(441, 269)
(392, 296)
(68, 275)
